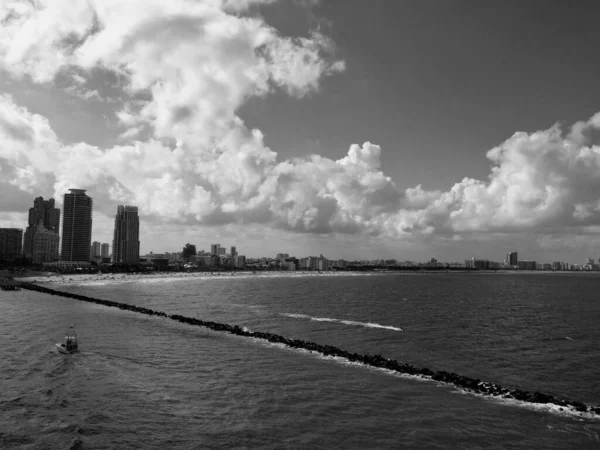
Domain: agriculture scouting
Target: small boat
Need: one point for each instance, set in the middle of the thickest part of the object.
(70, 345)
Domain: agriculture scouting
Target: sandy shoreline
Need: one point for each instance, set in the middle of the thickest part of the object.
(110, 278)
(132, 277)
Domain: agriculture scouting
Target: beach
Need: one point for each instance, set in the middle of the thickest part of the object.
(82, 279)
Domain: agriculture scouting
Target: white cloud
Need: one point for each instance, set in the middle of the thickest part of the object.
(188, 66)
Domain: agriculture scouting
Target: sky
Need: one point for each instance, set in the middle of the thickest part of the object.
(383, 129)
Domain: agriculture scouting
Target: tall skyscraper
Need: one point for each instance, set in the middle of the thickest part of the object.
(513, 259)
(95, 249)
(43, 216)
(233, 251)
(11, 243)
(104, 250)
(126, 241)
(77, 226)
(214, 249)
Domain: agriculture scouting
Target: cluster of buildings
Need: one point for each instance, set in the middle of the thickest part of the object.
(216, 257)
(513, 262)
(42, 242)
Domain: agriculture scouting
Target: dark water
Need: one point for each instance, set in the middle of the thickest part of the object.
(148, 382)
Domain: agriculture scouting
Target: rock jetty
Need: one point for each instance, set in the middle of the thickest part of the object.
(466, 383)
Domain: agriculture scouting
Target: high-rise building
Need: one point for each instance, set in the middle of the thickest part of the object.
(512, 259)
(126, 241)
(233, 251)
(104, 250)
(45, 246)
(214, 249)
(45, 214)
(95, 249)
(11, 243)
(77, 226)
(240, 261)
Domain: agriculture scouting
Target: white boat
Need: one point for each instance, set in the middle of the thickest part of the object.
(70, 345)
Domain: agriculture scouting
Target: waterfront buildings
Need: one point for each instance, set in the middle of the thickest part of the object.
(43, 216)
(512, 259)
(96, 252)
(11, 243)
(126, 241)
(44, 246)
(527, 265)
(234, 252)
(239, 261)
(104, 250)
(216, 249)
(479, 264)
(77, 226)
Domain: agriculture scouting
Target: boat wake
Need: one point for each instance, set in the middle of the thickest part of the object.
(345, 322)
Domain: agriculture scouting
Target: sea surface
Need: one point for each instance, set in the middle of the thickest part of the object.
(152, 383)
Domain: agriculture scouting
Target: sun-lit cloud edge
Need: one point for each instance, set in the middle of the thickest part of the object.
(185, 70)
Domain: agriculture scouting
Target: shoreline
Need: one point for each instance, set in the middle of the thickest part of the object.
(117, 278)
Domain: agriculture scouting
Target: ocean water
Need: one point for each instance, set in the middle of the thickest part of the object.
(152, 383)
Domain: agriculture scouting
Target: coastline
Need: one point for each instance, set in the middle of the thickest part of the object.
(117, 278)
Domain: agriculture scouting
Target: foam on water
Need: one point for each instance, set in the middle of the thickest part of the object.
(566, 411)
(345, 322)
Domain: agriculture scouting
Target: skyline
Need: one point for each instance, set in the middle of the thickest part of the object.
(126, 231)
(444, 131)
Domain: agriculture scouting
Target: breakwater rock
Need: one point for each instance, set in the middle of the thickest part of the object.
(466, 383)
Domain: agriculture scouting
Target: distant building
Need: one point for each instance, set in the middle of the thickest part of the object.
(512, 259)
(42, 214)
(156, 261)
(126, 240)
(527, 265)
(11, 244)
(45, 246)
(203, 260)
(96, 249)
(233, 251)
(240, 261)
(340, 264)
(478, 264)
(104, 250)
(215, 249)
(77, 226)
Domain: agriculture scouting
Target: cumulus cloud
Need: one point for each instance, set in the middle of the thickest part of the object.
(187, 67)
